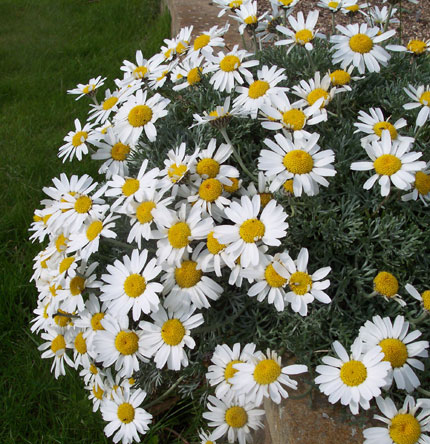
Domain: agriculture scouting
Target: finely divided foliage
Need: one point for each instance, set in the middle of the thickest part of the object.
(235, 216)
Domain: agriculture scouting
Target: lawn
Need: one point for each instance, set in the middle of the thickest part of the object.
(46, 48)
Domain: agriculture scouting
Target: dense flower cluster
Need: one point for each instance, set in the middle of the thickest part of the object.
(134, 264)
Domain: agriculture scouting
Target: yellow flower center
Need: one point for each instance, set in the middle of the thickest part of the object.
(98, 392)
(361, 43)
(229, 370)
(340, 77)
(168, 53)
(58, 344)
(93, 369)
(120, 151)
(172, 332)
(273, 278)
(422, 183)
(234, 185)
(352, 8)
(425, 98)
(65, 263)
(404, 429)
(258, 89)
(43, 263)
(125, 413)
(94, 230)
(109, 103)
(417, 46)
(178, 235)
(229, 63)
(95, 321)
(298, 162)
(386, 284)
(176, 172)
(134, 285)
(83, 204)
(46, 218)
(304, 36)
(333, 5)
(353, 373)
(252, 230)
(286, 2)
(395, 352)
(236, 417)
(140, 72)
(316, 94)
(235, 4)
(127, 342)
(186, 276)
(62, 321)
(208, 167)
(194, 76)
(265, 198)
(88, 89)
(210, 190)
(60, 243)
(300, 283)
(288, 186)
(201, 41)
(381, 126)
(180, 47)
(77, 285)
(251, 19)
(426, 300)
(143, 212)
(387, 164)
(294, 119)
(213, 245)
(266, 371)
(80, 344)
(213, 113)
(130, 187)
(140, 115)
(79, 138)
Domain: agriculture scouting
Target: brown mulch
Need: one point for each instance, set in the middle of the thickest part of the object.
(415, 18)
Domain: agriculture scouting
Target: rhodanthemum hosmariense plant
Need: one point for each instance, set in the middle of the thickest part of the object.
(253, 205)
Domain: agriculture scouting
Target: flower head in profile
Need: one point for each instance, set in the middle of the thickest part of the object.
(87, 89)
(386, 285)
(421, 99)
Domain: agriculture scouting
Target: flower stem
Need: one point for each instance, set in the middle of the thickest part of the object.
(333, 23)
(165, 394)
(390, 12)
(118, 243)
(308, 55)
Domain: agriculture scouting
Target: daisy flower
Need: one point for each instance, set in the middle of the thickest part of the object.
(219, 117)
(115, 153)
(400, 349)
(359, 46)
(342, 77)
(264, 376)
(120, 345)
(246, 15)
(303, 31)
(229, 68)
(208, 40)
(228, 5)
(97, 394)
(250, 229)
(282, 115)
(80, 351)
(351, 7)
(178, 230)
(77, 140)
(261, 91)
(233, 418)
(424, 297)
(139, 114)
(418, 47)
(262, 190)
(221, 370)
(379, 17)
(143, 216)
(266, 28)
(127, 285)
(392, 162)
(128, 189)
(185, 284)
(332, 6)
(92, 374)
(402, 426)
(205, 438)
(353, 379)
(374, 123)
(124, 415)
(42, 320)
(304, 287)
(189, 70)
(55, 347)
(87, 89)
(213, 257)
(285, 4)
(315, 89)
(299, 159)
(387, 285)
(166, 338)
(421, 98)
(140, 70)
(87, 240)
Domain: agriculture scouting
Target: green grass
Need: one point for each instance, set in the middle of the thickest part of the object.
(47, 47)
